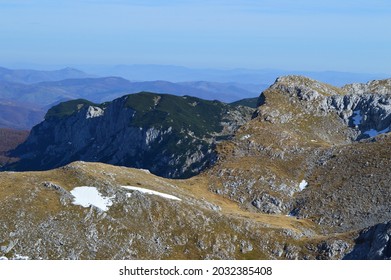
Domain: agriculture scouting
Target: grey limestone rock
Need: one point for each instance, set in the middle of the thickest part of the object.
(373, 243)
(168, 142)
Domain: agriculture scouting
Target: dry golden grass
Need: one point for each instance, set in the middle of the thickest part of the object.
(20, 185)
(190, 217)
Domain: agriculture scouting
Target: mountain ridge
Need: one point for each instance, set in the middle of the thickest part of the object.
(239, 75)
(27, 76)
(301, 126)
(187, 127)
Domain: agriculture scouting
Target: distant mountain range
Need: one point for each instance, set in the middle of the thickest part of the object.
(24, 105)
(46, 87)
(27, 76)
(25, 95)
(19, 115)
(243, 76)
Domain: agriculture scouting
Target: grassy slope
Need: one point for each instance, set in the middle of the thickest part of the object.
(191, 219)
(249, 102)
(203, 117)
(189, 113)
(67, 108)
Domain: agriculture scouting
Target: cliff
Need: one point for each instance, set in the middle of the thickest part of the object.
(169, 135)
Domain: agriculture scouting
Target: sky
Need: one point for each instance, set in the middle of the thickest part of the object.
(349, 35)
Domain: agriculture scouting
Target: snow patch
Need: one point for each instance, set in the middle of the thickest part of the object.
(94, 112)
(147, 191)
(374, 132)
(303, 184)
(16, 257)
(357, 117)
(145, 170)
(20, 257)
(244, 137)
(86, 196)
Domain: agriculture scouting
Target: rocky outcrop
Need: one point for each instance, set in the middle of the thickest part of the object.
(373, 243)
(372, 87)
(309, 152)
(169, 135)
(365, 107)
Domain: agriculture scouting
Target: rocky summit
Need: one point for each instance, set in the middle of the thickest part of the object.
(306, 177)
(312, 151)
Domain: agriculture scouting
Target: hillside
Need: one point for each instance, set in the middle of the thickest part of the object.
(18, 115)
(249, 102)
(180, 219)
(10, 139)
(312, 151)
(169, 135)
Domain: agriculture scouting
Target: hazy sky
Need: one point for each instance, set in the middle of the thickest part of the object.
(344, 35)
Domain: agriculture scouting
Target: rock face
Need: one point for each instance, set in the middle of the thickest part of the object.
(312, 151)
(169, 135)
(365, 107)
(373, 243)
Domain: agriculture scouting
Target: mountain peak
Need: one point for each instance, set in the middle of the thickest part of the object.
(170, 135)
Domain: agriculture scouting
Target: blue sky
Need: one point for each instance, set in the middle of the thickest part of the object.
(350, 35)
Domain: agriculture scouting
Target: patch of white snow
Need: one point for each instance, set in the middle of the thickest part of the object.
(20, 257)
(147, 191)
(86, 196)
(303, 184)
(244, 137)
(3, 258)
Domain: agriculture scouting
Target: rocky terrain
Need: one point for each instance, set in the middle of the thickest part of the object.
(373, 243)
(306, 178)
(313, 151)
(192, 223)
(300, 124)
(169, 135)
